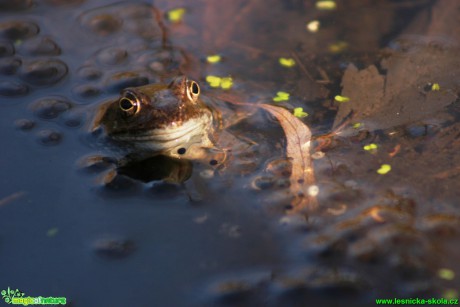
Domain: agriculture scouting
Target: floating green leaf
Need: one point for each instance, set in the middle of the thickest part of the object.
(226, 83)
(326, 5)
(176, 15)
(52, 232)
(213, 59)
(435, 87)
(338, 47)
(298, 112)
(215, 81)
(370, 147)
(384, 168)
(339, 98)
(446, 274)
(286, 62)
(281, 96)
(357, 125)
(450, 294)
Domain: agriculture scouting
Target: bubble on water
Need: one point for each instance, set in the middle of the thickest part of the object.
(283, 183)
(40, 46)
(337, 209)
(112, 56)
(89, 73)
(43, 72)
(121, 80)
(10, 65)
(63, 2)
(262, 183)
(86, 90)
(313, 190)
(50, 107)
(49, 137)
(161, 60)
(157, 66)
(294, 222)
(318, 155)
(236, 290)
(72, 120)
(15, 5)
(113, 247)
(12, 88)
(165, 190)
(231, 290)
(6, 49)
(113, 182)
(102, 24)
(230, 230)
(96, 163)
(416, 130)
(24, 124)
(207, 174)
(279, 167)
(18, 30)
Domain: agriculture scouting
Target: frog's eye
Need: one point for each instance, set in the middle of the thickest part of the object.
(193, 90)
(129, 103)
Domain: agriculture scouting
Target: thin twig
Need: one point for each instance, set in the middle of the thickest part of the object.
(11, 197)
(164, 30)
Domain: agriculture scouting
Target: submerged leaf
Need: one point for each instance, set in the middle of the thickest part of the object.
(338, 47)
(298, 137)
(298, 140)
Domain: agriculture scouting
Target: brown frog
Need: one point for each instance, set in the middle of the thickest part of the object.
(158, 119)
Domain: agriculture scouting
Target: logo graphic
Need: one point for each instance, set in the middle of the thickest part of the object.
(16, 297)
(9, 294)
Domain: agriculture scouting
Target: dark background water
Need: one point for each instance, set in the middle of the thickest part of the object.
(70, 230)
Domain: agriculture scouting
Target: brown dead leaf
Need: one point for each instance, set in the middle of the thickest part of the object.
(401, 92)
(298, 137)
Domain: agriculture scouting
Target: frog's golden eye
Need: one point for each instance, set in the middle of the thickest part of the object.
(129, 103)
(193, 90)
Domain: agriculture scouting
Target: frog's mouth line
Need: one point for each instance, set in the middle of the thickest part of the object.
(168, 137)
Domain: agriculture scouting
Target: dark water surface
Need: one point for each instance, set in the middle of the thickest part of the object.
(102, 237)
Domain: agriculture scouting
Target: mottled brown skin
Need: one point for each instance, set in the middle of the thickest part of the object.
(161, 106)
(160, 119)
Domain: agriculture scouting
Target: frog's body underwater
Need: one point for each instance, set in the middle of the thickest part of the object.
(158, 119)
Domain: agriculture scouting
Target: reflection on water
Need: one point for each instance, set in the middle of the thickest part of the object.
(182, 233)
